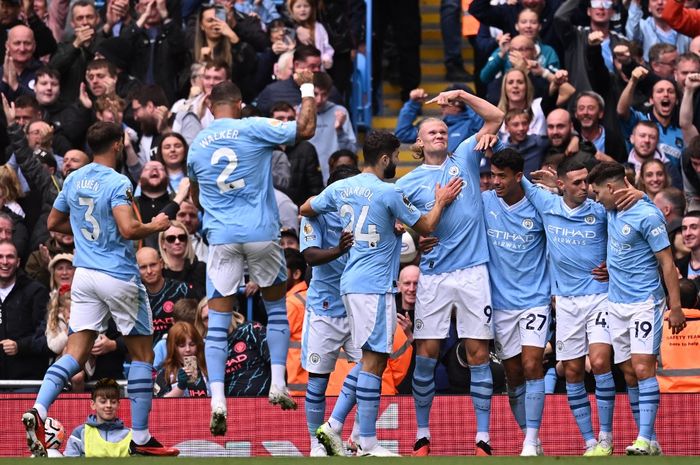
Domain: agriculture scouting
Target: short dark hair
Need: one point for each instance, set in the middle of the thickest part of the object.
(323, 81)
(27, 101)
(218, 63)
(101, 135)
(295, 260)
(342, 172)
(606, 171)
(302, 52)
(149, 93)
(569, 164)
(225, 92)
(48, 71)
(508, 158)
(106, 387)
(281, 106)
(342, 153)
(102, 63)
(249, 111)
(378, 143)
(689, 292)
(647, 124)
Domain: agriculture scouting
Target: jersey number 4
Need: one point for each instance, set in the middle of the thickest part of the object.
(90, 204)
(229, 155)
(371, 237)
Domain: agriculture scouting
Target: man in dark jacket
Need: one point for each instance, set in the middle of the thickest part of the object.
(72, 56)
(157, 45)
(306, 179)
(23, 349)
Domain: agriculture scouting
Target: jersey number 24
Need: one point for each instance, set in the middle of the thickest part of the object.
(371, 237)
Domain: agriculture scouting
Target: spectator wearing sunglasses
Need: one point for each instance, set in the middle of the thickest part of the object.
(180, 261)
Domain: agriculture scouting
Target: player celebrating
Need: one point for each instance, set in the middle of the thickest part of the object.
(229, 168)
(576, 230)
(95, 207)
(520, 291)
(637, 246)
(326, 326)
(369, 208)
(454, 272)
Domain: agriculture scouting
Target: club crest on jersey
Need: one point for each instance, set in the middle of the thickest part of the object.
(528, 223)
(626, 230)
(453, 171)
(407, 202)
(560, 345)
(314, 359)
(308, 229)
(590, 219)
(419, 324)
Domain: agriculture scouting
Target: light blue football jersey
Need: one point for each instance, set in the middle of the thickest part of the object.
(323, 296)
(576, 241)
(230, 160)
(634, 236)
(461, 231)
(369, 207)
(88, 196)
(518, 265)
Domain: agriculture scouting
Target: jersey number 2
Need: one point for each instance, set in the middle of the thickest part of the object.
(90, 204)
(230, 155)
(371, 236)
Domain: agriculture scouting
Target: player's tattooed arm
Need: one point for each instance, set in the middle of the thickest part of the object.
(315, 256)
(444, 196)
(59, 222)
(306, 120)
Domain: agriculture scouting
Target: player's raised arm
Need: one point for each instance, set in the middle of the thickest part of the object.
(492, 116)
(306, 120)
(315, 256)
(443, 197)
(132, 229)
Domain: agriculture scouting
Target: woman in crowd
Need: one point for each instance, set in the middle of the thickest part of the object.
(172, 153)
(653, 177)
(179, 258)
(309, 31)
(61, 271)
(518, 93)
(215, 39)
(10, 190)
(184, 372)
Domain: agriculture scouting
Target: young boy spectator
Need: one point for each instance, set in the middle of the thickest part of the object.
(103, 434)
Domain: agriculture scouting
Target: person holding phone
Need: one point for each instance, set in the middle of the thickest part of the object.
(184, 372)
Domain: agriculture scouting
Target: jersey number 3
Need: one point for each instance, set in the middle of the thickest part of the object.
(90, 204)
(371, 237)
(229, 155)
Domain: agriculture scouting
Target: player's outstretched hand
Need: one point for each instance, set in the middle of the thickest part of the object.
(485, 141)
(346, 241)
(676, 320)
(627, 196)
(447, 194)
(546, 176)
(445, 99)
(161, 222)
(600, 272)
(399, 228)
(427, 243)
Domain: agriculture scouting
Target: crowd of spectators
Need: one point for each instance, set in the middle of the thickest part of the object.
(599, 80)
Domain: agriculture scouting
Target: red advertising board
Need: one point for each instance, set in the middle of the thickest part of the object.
(258, 429)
